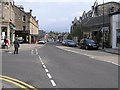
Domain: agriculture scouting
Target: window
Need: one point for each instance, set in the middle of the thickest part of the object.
(24, 18)
(6, 3)
(111, 9)
(24, 28)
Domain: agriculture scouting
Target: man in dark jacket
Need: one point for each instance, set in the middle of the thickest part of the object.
(16, 46)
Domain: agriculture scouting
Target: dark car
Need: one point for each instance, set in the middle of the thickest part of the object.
(70, 43)
(88, 44)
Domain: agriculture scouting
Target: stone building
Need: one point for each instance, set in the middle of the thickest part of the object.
(7, 20)
(115, 30)
(97, 23)
(26, 25)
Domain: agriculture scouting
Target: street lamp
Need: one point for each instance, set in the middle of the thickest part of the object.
(103, 29)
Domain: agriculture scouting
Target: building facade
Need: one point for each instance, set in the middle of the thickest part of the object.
(98, 23)
(33, 27)
(27, 26)
(115, 19)
(7, 20)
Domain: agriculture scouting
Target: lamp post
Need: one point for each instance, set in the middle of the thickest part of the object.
(103, 28)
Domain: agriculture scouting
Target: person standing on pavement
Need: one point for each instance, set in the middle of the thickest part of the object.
(16, 46)
(7, 42)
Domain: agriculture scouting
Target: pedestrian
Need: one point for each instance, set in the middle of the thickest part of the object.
(16, 46)
(7, 42)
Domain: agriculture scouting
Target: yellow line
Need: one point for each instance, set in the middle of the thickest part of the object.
(14, 83)
(19, 82)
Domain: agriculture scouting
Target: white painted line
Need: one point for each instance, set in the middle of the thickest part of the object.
(9, 52)
(92, 57)
(42, 63)
(85, 54)
(40, 58)
(115, 64)
(46, 70)
(49, 76)
(53, 83)
(44, 66)
(36, 52)
(32, 52)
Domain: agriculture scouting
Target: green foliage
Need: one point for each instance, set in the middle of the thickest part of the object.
(69, 36)
(77, 31)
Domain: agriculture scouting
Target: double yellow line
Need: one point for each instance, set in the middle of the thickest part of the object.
(17, 82)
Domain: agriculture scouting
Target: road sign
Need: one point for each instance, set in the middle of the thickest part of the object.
(106, 29)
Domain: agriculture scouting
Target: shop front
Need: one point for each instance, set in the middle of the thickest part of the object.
(115, 21)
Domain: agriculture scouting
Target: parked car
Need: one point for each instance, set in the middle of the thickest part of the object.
(64, 42)
(70, 43)
(41, 42)
(88, 44)
(20, 40)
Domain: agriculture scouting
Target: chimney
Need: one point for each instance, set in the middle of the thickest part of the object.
(35, 17)
(31, 11)
(13, 2)
(37, 21)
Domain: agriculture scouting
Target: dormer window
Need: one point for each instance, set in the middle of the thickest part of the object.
(111, 9)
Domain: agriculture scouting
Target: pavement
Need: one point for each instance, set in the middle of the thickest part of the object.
(111, 50)
(23, 47)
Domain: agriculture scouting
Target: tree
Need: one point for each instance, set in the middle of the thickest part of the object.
(69, 36)
(77, 31)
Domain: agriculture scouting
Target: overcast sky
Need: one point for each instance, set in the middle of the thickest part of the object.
(57, 15)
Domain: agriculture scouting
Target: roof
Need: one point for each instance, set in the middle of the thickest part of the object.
(109, 3)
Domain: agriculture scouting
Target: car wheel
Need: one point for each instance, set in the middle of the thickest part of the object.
(80, 47)
(86, 47)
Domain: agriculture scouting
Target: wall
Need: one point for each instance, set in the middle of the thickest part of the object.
(34, 27)
(115, 19)
(19, 19)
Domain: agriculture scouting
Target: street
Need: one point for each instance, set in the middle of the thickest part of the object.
(52, 67)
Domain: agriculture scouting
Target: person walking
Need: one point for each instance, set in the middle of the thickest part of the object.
(16, 46)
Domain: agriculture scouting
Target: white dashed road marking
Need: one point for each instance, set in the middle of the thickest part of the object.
(44, 66)
(32, 52)
(53, 83)
(46, 70)
(48, 74)
(36, 52)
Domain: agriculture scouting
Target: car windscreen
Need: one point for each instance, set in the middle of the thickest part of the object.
(90, 41)
(70, 41)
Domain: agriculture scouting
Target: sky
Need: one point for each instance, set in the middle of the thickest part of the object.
(57, 15)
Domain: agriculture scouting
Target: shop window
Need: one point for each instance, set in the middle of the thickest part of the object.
(118, 38)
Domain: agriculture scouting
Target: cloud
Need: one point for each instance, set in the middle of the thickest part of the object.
(99, 1)
(77, 14)
(55, 20)
(52, 20)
